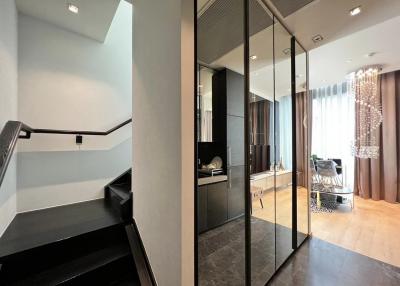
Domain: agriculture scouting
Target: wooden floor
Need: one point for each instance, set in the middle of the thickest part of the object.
(372, 228)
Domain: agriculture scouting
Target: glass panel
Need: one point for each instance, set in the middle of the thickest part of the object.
(302, 151)
(283, 143)
(261, 122)
(204, 104)
(221, 170)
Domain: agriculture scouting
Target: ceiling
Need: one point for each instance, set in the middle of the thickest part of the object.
(330, 63)
(93, 20)
(331, 19)
(345, 38)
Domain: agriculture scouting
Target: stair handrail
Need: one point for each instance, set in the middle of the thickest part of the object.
(12, 132)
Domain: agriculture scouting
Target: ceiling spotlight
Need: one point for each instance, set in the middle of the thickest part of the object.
(355, 11)
(286, 51)
(253, 57)
(369, 55)
(72, 8)
(317, 38)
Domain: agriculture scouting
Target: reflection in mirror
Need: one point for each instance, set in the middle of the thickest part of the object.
(302, 152)
(283, 137)
(261, 157)
(221, 170)
(204, 106)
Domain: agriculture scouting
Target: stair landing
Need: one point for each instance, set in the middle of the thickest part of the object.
(37, 228)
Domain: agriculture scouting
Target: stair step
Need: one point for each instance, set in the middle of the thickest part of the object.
(78, 267)
(121, 190)
(54, 225)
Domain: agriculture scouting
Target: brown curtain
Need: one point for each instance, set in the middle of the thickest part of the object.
(260, 123)
(378, 179)
(301, 138)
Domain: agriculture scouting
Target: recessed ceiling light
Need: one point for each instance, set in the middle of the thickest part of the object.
(355, 11)
(72, 8)
(286, 51)
(369, 55)
(317, 38)
(253, 57)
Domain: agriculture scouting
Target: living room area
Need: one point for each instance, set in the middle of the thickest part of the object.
(355, 155)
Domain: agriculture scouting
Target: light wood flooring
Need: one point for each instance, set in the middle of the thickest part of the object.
(372, 228)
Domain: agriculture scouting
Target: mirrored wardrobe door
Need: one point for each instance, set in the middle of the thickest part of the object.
(261, 149)
(221, 155)
(302, 151)
(283, 143)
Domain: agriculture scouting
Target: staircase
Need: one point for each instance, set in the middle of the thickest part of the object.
(88, 243)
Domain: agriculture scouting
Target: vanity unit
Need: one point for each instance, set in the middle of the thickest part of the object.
(217, 202)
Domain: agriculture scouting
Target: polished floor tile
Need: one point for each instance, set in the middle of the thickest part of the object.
(318, 262)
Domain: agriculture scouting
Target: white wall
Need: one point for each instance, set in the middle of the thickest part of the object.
(67, 81)
(8, 102)
(163, 145)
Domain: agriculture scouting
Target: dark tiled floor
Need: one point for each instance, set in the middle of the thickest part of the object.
(320, 263)
(222, 258)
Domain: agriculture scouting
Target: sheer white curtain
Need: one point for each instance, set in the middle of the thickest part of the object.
(333, 121)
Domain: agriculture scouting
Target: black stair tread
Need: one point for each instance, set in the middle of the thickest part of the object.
(38, 228)
(121, 190)
(78, 267)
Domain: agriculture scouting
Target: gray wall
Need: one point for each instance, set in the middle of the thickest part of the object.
(68, 81)
(8, 102)
(163, 135)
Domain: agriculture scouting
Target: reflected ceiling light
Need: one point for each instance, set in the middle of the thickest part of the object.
(369, 55)
(355, 11)
(317, 38)
(286, 51)
(72, 8)
(253, 57)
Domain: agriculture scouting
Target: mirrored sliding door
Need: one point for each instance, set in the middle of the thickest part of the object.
(220, 189)
(302, 142)
(252, 143)
(283, 143)
(261, 144)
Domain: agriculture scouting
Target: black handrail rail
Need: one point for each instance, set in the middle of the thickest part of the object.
(8, 140)
(29, 130)
(12, 131)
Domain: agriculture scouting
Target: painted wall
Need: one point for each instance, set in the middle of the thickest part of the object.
(163, 145)
(67, 81)
(8, 102)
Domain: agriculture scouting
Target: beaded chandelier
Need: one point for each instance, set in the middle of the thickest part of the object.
(364, 86)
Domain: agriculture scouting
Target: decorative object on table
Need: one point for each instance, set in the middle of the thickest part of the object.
(280, 166)
(364, 87)
(213, 168)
